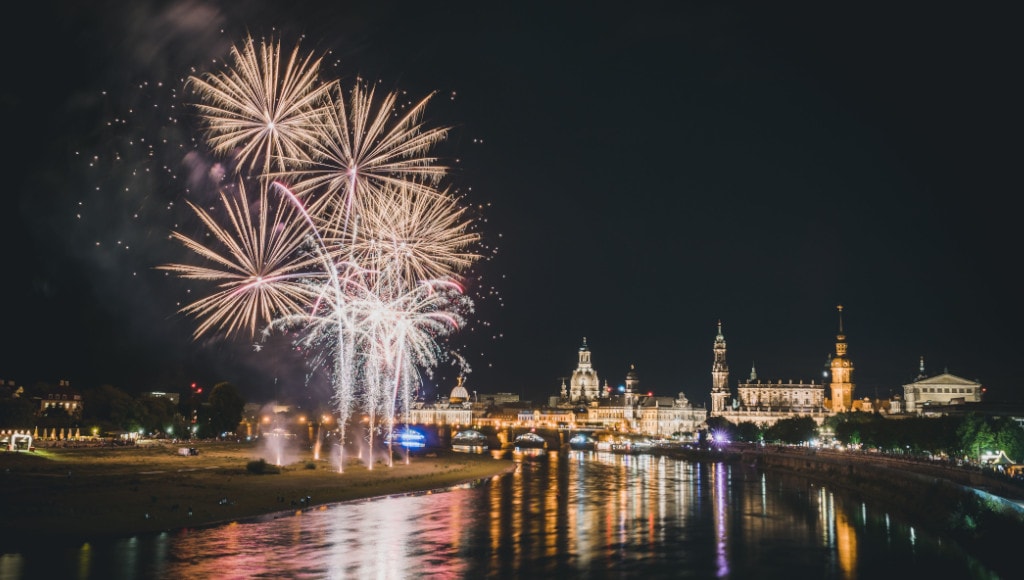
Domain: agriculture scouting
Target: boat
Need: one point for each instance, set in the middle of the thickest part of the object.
(582, 442)
(469, 441)
(530, 441)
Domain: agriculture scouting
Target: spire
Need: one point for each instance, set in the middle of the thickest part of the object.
(720, 328)
(753, 372)
(840, 338)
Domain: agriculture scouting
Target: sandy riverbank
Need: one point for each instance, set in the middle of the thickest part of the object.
(73, 495)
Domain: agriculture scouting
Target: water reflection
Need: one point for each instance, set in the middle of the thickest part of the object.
(581, 514)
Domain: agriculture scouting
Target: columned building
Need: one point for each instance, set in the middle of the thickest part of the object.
(940, 390)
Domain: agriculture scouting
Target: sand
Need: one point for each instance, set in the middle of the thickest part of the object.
(79, 494)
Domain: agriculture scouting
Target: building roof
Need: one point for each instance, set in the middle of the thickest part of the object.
(945, 379)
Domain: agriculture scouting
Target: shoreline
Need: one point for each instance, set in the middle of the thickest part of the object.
(75, 496)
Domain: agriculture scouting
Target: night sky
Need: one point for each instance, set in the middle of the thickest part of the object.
(644, 172)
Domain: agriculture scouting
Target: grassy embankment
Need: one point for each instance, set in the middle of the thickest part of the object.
(122, 491)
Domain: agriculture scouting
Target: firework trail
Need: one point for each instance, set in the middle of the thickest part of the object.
(399, 335)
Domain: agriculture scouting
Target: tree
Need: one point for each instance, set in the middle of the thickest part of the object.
(793, 430)
(719, 428)
(110, 408)
(17, 413)
(1009, 438)
(975, 436)
(849, 428)
(224, 409)
(749, 432)
(156, 414)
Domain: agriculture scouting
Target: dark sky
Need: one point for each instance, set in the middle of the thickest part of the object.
(645, 172)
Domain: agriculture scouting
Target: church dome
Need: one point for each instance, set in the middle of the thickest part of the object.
(459, 393)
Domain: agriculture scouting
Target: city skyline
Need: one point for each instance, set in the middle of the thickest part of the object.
(640, 176)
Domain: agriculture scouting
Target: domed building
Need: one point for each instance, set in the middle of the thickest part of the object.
(459, 394)
(457, 410)
(584, 385)
(631, 411)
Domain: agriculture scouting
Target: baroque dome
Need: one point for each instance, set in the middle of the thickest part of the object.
(459, 393)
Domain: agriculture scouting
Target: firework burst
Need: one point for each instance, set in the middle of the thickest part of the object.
(263, 110)
(363, 146)
(360, 257)
(412, 236)
(260, 267)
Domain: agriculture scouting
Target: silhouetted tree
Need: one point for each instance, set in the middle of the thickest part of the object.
(749, 432)
(156, 414)
(224, 409)
(17, 413)
(792, 430)
(718, 427)
(110, 408)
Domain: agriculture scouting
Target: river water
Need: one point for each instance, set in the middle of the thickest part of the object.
(582, 514)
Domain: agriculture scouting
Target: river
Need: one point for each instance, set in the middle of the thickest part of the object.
(581, 514)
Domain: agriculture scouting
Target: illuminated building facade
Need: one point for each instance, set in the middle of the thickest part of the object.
(842, 373)
(630, 411)
(766, 402)
(940, 390)
(63, 398)
(456, 410)
(584, 385)
(667, 417)
(719, 375)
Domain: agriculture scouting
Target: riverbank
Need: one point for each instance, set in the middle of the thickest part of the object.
(74, 495)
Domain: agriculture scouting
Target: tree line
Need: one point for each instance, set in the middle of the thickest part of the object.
(965, 437)
(107, 410)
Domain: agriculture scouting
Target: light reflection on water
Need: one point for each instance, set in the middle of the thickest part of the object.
(582, 514)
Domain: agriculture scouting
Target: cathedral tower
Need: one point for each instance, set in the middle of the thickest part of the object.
(584, 384)
(719, 375)
(842, 373)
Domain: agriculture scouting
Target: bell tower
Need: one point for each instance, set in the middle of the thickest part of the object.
(842, 373)
(719, 375)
